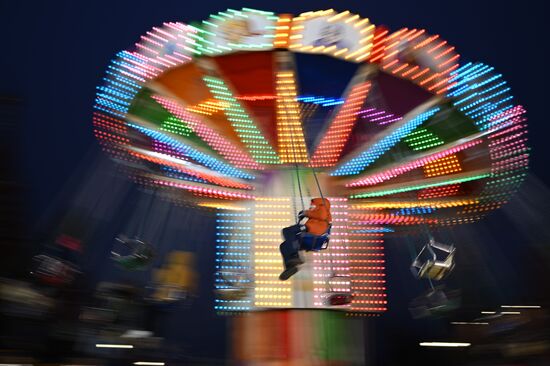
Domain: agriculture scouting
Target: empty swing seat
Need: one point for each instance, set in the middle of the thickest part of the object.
(236, 289)
(435, 261)
(338, 296)
(232, 293)
(140, 256)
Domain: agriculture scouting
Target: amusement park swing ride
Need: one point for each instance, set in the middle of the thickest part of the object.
(212, 114)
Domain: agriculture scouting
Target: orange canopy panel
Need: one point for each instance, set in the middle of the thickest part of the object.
(186, 84)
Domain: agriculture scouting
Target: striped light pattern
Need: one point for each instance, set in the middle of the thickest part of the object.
(255, 98)
(355, 257)
(330, 148)
(378, 192)
(198, 190)
(383, 144)
(443, 166)
(245, 127)
(508, 148)
(290, 136)
(394, 219)
(192, 153)
(231, 22)
(367, 264)
(176, 126)
(332, 268)
(187, 168)
(282, 31)
(412, 54)
(378, 44)
(208, 107)
(400, 168)
(449, 190)
(354, 263)
(362, 26)
(167, 46)
(270, 216)
(369, 114)
(422, 139)
(379, 116)
(322, 101)
(233, 244)
(307, 111)
(413, 204)
(481, 95)
(160, 49)
(484, 96)
(224, 147)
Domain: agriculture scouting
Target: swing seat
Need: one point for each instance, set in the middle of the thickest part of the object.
(338, 296)
(232, 294)
(141, 256)
(315, 243)
(233, 289)
(435, 261)
(54, 271)
(339, 299)
(170, 293)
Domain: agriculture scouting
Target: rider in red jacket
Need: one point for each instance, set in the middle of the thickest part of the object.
(318, 222)
(318, 215)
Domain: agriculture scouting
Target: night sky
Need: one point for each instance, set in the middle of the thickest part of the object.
(54, 54)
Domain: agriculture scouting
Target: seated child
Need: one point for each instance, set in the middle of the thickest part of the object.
(318, 223)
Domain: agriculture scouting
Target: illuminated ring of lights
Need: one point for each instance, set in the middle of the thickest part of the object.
(228, 170)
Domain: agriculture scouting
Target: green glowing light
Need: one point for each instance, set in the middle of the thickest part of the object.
(420, 186)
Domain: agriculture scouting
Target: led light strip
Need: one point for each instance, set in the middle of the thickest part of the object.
(187, 168)
(413, 204)
(333, 261)
(208, 107)
(198, 189)
(363, 26)
(383, 143)
(290, 136)
(233, 19)
(322, 101)
(333, 141)
(422, 139)
(391, 219)
(428, 183)
(266, 241)
(400, 168)
(379, 116)
(187, 150)
(364, 244)
(220, 144)
(245, 127)
(438, 59)
(282, 31)
(233, 267)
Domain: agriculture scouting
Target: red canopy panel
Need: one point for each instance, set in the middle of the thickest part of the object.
(252, 74)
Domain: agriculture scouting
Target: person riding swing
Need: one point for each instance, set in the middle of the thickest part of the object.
(312, 236)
